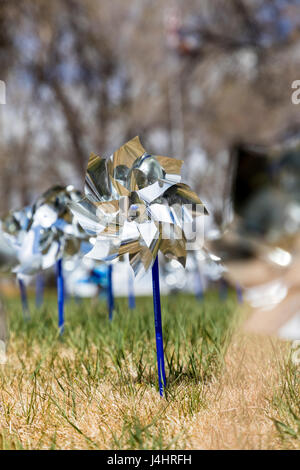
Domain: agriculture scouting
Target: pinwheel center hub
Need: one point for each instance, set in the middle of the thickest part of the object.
(133, 212)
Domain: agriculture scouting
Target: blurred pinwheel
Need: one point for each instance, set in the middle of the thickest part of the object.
(136, 203)
(14, 228)
(84, 277)
(8, 257)
(261, 249)
(57, 234)
(202, 268)
(42, 235)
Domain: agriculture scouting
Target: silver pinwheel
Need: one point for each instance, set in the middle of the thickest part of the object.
(136, 203)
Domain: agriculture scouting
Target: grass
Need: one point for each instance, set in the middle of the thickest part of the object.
(286, 401)
(96, 387)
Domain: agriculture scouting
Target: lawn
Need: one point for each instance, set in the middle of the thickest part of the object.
(96, 386)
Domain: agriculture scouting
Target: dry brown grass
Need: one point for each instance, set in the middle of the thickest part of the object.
(50, 399)
(238, 416)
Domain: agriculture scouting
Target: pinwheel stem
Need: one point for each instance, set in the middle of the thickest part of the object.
(158, 328)
(223, 289)
(39, 290)
(60, 295)
(24, 300)
(239, 293)
(110, 293)
(198, 286)
(131, 296)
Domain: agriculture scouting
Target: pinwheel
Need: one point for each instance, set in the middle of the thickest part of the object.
(268, 276)
(84, 277)
(66, 236)
(273, 291)
(42, 235)
(8, 260)
(263, 242)
(207, 268)
(58, 234)
(136, 203)
(201, 266)
(8, 257)
(14, 227)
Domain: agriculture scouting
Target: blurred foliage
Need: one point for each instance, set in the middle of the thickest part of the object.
(194, 79)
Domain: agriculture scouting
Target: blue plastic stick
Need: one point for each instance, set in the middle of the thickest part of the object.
(39, 290)
(131, 296)
(60, 295)
(24, 300)
(198, 285)
(239, 293)
(158, 328)
(223, 289)
(110, 293)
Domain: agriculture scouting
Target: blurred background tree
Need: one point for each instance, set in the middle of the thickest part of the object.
(196, 79)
